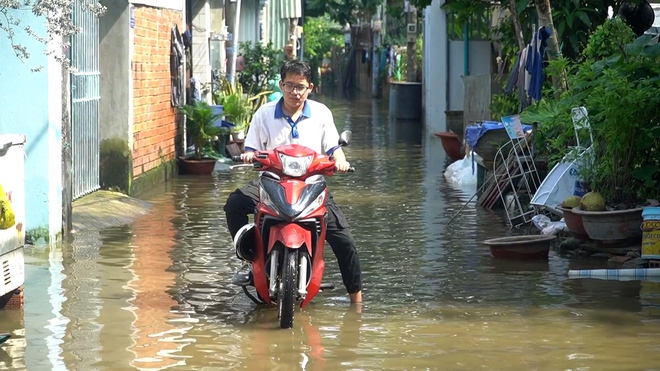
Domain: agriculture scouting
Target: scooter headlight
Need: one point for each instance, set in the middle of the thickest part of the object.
(295, 166)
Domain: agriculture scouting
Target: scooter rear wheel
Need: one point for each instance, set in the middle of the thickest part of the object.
(288, 287)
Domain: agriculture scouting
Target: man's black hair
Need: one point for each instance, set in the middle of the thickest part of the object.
(296, 67)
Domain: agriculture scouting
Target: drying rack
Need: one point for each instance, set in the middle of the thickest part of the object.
(517, 178)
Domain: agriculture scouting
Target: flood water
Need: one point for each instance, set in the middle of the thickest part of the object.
(156, 294)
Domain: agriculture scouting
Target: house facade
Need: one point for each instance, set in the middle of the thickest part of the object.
(140, 127)
(32, 105)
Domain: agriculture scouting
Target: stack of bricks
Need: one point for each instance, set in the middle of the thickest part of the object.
(156, 121)
(13, 300)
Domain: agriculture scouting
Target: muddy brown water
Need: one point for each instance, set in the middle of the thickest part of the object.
(155, 294)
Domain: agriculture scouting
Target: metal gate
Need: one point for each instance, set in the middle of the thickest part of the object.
(85, 99)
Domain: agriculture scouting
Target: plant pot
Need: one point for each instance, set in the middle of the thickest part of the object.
(612, 228)
(238, 136)
(193, 166)
(451, 145)
(574, 223)
(521, 247)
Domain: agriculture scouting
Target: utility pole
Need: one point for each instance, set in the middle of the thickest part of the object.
(233, 16)
(412, 41)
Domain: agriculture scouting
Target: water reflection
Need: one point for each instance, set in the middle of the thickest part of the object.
(155, 294)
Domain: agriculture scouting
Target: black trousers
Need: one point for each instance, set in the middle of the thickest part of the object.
(243, 201)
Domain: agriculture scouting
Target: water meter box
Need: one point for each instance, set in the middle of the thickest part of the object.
(12, 215)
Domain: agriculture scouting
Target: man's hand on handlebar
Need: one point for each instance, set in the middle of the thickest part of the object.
(342, 165)
(247, 157)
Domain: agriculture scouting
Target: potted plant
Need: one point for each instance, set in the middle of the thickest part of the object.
(200, 124)
(618, 82)
(238, 107)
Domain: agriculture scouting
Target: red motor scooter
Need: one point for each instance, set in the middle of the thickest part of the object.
(286, 241)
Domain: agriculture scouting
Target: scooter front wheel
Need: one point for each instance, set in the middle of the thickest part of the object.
(288, 287)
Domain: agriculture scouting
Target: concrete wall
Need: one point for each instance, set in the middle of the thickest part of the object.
(115, 128)
(435, 70)
(201, 31)
(32, 105)
(115, 69)
(155, 122)
(480, 62)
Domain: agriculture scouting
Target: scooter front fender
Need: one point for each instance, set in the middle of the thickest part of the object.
(290, 235)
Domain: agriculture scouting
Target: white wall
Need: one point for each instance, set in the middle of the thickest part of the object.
(435, 67)
(479, 65)
(201, 31)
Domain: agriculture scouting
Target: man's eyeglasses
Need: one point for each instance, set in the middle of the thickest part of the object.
(294, 88)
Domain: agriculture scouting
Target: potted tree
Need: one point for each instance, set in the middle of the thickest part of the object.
(200, 124)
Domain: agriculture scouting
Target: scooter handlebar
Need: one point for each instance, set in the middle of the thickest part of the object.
(236, 158)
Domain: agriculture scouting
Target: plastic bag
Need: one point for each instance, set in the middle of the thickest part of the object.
(547, 226)
(461, 173)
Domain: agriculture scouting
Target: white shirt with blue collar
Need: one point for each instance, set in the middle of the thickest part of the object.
(270, 128)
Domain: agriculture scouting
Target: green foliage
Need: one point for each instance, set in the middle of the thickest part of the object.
(608, 39)
(200, 124)
(262, 64)
(238, 107)
(342, 11)
(504, 105)
(618, 83)
(401, 63)
(322, 36)
(463, 10)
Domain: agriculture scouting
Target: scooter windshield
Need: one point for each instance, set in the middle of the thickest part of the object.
(277, 197)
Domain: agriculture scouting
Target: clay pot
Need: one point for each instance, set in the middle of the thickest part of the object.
(612, 228)
(574, 223)
(203, 166)
(451, 145)
(521, 247)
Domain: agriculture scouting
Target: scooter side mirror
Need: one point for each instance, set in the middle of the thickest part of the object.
(345, 138)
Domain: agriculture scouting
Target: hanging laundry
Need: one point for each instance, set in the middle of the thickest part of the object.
(535, 59)
(527, 74)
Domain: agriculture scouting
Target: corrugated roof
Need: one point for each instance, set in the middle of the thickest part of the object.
(278, 26)
(289, 8)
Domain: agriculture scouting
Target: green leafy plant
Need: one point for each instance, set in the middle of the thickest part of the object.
(401, 62)
(238, 107)
(618, 82)
(608, 39)
(200, 124)
(262, 63)
(504, 105)
(322, 37)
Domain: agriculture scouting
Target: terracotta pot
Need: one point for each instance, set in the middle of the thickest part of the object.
(521, 247)
(574, 223)
(451, 145)
(613, 228)
(203, 166)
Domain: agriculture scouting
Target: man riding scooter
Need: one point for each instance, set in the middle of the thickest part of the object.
(294, 119)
